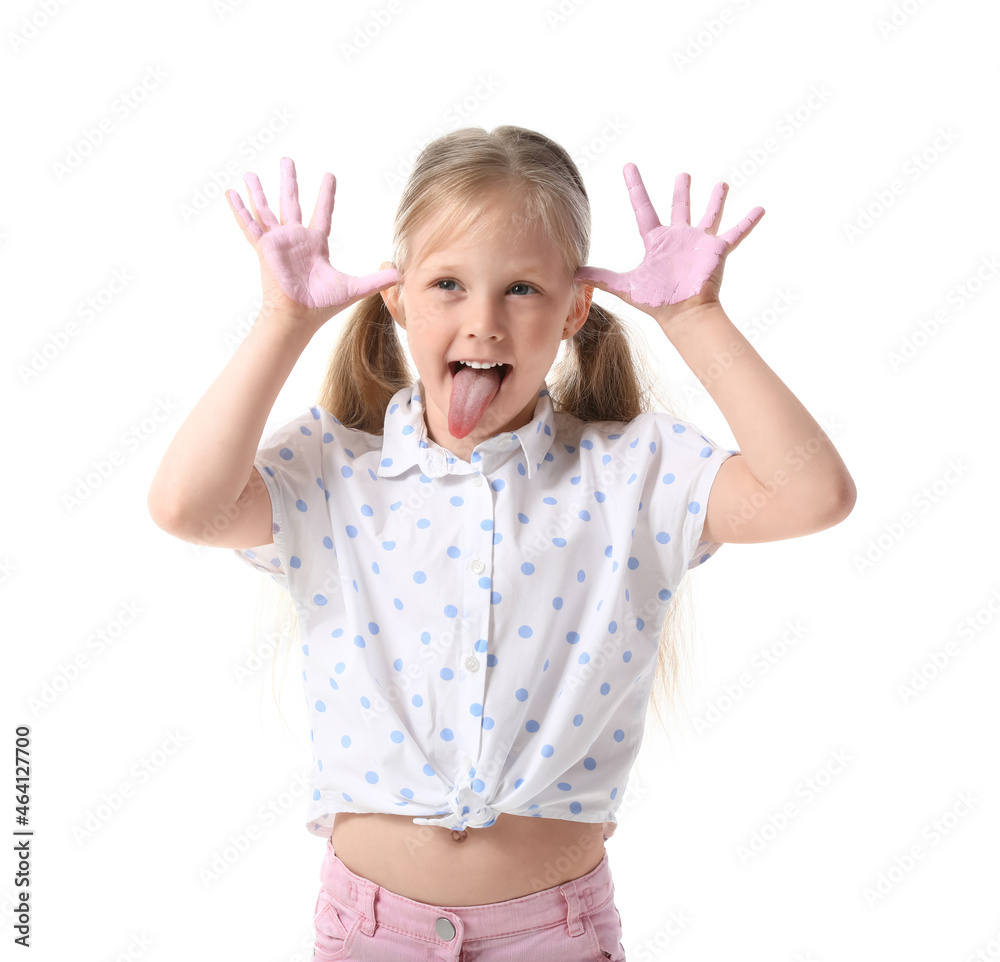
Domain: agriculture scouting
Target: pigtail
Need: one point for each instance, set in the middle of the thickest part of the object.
(367, 367)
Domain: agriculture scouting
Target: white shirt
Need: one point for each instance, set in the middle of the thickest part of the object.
(480, 637)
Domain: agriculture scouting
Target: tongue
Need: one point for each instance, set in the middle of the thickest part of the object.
(472, 390)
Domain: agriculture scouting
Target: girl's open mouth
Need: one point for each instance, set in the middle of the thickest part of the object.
(455, 365)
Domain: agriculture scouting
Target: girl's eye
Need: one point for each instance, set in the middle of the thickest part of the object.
(445, 282)
(522, 284)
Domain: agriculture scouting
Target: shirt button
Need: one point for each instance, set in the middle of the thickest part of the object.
(477, 480)
(472, 663)
(478, 567)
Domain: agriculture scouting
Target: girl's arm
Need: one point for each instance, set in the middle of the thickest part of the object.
(207, 472)
(788, 479)
(206, 489)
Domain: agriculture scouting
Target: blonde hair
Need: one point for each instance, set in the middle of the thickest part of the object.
(598, 378)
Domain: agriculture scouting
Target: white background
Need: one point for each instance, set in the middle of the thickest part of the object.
(812, 111)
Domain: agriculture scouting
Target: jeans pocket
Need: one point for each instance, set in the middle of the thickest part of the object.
(335, 929)
(606, 925)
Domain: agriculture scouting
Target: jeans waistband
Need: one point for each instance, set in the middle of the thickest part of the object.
(565, 902)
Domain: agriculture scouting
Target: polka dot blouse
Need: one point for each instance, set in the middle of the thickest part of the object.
(480, 637)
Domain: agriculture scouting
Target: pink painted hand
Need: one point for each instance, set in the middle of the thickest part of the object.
(683, 264)
(294, 260)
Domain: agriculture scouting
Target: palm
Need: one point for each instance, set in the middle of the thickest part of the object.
(297, 258)
(681, 262)
(677, 263)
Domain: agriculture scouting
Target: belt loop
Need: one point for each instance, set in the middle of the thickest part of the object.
(573, 908)
(367, 909)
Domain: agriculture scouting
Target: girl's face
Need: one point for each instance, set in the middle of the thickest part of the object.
(495, 300)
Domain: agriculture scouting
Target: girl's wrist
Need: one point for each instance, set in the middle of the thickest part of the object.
(674, 315)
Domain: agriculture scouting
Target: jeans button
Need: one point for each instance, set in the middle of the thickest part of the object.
(444, 929)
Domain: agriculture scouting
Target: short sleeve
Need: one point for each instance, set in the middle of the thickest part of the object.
(290, 462)
(681, 465)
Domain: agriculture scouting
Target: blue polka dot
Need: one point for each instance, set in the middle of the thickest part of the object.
(447, 674)
(619, 735)
(564, 787)
(406, 792)
(478, 784)
(417, 700)
(525, 631)
(346, 741)
(476, 709)
(590, 764)
(605, 688)
(396, 736)
(371, 777)
(521, 694)
(487, 722)
(428, 770)
(575, 808)
(572, 637)
(447, 734)
(626, 656)
(547, 751)
(398, 664)
(532, 725)
(365, 703)
(419, 577)
(578, 720)
(518, 783)
(320, 706)
(528, 568)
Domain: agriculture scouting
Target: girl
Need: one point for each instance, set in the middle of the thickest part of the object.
(482, 561)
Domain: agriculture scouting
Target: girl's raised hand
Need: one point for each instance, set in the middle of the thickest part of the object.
(683, 265)
(296, 273)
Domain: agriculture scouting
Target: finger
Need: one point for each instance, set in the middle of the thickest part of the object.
(644, 214)
(735, 235)
(680, 212)
(370, 283)
(324, 204)
(291, 213)
(605, 280)
(258, 201)
(713, 213)
(251, 229)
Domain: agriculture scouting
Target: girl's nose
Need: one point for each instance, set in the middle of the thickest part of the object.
(483, 316)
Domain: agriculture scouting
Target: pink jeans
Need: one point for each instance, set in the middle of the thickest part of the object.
(358, 920)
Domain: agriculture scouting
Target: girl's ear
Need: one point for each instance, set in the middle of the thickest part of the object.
(581, 309)
(390, 295)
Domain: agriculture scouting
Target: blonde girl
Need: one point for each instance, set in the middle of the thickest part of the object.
(483, 559)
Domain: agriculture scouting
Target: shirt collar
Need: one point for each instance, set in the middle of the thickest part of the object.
(405, 442)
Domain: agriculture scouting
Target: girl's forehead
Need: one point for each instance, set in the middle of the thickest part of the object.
(509, 225)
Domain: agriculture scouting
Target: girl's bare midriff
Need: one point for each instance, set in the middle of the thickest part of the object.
(515, 856)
